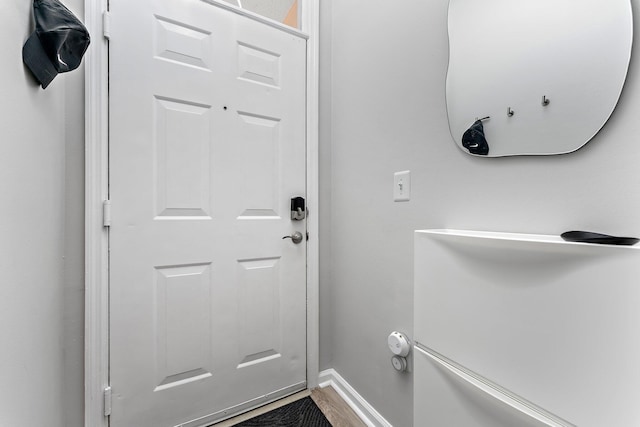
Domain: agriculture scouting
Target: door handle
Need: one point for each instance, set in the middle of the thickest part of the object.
(295, 237)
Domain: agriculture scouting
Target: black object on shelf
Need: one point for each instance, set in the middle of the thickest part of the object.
(597, 238)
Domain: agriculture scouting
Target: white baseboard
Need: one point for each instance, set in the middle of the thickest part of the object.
(361, 407)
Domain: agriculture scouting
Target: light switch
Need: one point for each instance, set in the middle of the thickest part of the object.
(402, 186)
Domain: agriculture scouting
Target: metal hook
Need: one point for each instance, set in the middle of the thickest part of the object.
(484, 118)
(545, 101)
(510, 112)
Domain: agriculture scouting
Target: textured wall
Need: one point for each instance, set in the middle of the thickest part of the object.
(41, 259)
(384, 71)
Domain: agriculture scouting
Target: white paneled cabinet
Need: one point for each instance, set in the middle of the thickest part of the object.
(549, 323)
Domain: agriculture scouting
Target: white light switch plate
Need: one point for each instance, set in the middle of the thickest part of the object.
(402, 186)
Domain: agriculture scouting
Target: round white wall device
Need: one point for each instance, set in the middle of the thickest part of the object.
(399, 363)
(399, 344)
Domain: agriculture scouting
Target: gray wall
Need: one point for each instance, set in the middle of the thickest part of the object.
(383, 110)
(41, 258)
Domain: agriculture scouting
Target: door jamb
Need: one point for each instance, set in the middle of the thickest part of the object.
(96, 318)
(96, 329)
(311, 25)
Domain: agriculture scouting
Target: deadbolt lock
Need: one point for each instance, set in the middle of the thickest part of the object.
(298, 209)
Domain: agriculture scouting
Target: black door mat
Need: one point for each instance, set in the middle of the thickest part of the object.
(301, 413)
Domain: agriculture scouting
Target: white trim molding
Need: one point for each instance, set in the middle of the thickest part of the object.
(311, 25)
(96, 318)
(361, 407)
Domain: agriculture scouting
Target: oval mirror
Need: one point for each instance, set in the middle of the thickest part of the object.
(547, 73)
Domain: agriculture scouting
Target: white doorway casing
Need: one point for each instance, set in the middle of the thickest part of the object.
(97, 403)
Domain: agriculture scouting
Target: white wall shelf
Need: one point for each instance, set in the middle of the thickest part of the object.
(516, 240)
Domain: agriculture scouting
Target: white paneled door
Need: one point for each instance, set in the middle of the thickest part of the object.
(207, 148)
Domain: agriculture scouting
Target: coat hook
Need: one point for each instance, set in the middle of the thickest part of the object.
(484, 118)
(545, 101)
(510, 112)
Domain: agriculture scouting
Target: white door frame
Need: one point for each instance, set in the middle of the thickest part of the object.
(96, 330)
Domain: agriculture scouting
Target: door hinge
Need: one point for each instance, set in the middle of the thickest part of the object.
(107, 401)
(106, 25)
(106, 213)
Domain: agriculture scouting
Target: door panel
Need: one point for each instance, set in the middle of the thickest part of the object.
(207, 146)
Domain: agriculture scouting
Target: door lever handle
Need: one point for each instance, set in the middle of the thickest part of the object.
(295, 237)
